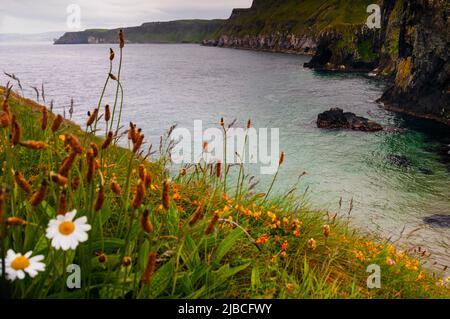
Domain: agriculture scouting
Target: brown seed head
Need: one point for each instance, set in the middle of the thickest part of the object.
(139, 195)
(38, 197)
(115, 188)
(22, 182)
(74, 143)
(15, 132)
(67, 163)
(44, 120)
(107, 113)
(90, 165)
(126, 261)
(34, 145)
(111, 54)
(150, 269)
(198, 214)
(146, 223)
(58, 179)
(92, 118)
(62, 204)
(121, 39)
(165, 195)
(281, 159)
(219, 170)
(57, 123)
(212, 224)
(326, 230)
(107, 141)
(15, 221)
(75, 182)
(100, 199)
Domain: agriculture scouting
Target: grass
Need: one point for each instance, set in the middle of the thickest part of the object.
(164, 235)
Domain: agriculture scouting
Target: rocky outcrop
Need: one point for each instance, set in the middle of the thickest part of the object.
(422, 78)
(275, 42)
(412, 48)
(336, 118)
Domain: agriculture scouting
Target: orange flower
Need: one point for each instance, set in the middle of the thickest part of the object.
(263, 239)
(285, 245)
(177, 197)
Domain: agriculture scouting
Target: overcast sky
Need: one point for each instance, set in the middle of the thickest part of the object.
(36, 16)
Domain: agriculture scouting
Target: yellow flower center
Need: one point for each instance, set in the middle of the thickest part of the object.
(66, 228)
(20, 263)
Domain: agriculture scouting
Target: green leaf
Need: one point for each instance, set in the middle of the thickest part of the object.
(256, 280)
(226, 245)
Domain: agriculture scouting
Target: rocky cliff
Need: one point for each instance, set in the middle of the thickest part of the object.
(292, 26)
(182, 31)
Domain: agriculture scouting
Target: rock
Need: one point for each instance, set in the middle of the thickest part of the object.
(399, 160)
(426, 171)
(337, 118)
(438, 220)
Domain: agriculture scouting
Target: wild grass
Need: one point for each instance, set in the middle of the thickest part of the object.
(155, 234)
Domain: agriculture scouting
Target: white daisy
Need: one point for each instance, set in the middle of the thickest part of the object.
(17, 264)
(66, 233)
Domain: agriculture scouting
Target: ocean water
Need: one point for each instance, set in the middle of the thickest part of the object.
(177, 84)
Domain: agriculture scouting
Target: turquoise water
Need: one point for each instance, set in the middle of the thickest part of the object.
(177, 84)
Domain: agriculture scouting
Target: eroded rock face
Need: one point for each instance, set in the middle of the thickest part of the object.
(422, 80)
(438, 221)
(336, 118)
(276, 42)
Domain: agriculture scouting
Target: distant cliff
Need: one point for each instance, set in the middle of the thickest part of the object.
(182, 31)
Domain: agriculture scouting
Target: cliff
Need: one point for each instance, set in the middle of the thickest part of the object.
(291, 26)
(181, 31)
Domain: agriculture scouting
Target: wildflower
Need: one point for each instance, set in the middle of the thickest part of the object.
(39, 196)
(65, 233)
(107, 113)
(177, 197)
(420, 276)
(100, 199)
(390, 261)
(115, 188)
(283, 254)
(34, 145)
(285, 245)
(126, 261)
(22, 182)
(263, 239)
(107, 141)
(44, 120)
(326, 230)
(359, 255)
(150, 268)
(146, 223)
(74, 143)
(312, 244)
(57, 123)
(212, 223)
(165, 195)
(197, 216)
(16, 265)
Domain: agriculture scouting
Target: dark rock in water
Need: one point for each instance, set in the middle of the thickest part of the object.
(438, 220)
(399, 160)
(337, 118)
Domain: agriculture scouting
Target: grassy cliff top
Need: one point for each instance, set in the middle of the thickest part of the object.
(297, 16)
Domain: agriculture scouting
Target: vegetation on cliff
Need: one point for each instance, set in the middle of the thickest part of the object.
(182, 31)
(68, 197)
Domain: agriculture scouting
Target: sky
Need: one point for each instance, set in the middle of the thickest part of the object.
(38, 16)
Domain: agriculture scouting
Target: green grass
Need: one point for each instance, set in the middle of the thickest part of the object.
(299, 17)
(274, 248)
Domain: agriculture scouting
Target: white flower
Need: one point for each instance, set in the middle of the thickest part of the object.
(17, 264)
(66, 233)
